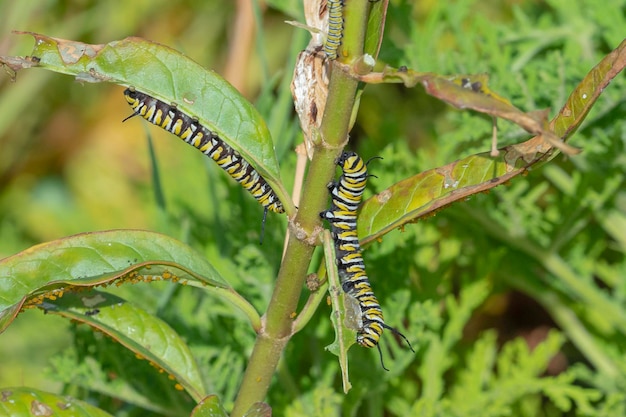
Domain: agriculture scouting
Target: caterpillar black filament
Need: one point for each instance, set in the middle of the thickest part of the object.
(335, 28)
(191, 131)
(346, 196)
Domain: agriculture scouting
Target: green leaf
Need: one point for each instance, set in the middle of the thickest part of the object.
(319, 401)
(169, 76)
(49, 270)
(24, 401)
(209, 407)
(426, 192)
(149, 337)
(477, 374)
(437, 360)
(375, 27)
(587, 92)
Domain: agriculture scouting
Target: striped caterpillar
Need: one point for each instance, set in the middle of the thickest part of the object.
(191, 131)
(346, 196)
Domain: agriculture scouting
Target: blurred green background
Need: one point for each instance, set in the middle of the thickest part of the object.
(69, 165)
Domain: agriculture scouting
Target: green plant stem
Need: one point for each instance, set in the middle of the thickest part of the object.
(278, 325)
(278, 322)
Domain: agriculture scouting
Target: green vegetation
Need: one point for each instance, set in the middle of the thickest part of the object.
(514, 300)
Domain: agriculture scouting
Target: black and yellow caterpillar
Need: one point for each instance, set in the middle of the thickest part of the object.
(191, 131)
(335, 28)
(346, 196)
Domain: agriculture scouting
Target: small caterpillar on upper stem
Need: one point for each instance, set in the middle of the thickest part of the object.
(335, 28)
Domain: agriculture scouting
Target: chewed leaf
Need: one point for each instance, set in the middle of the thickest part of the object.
(171, 77)
(422, 194)
(48, 271)
(23, 401)
(146, 335)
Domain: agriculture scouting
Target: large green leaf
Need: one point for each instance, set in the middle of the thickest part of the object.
(146, 335)
(24, 401)
(169, 76)
(47, 271)
(424, 193)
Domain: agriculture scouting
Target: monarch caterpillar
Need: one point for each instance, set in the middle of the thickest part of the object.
(335, 28)
(191, 131)
(346, 197)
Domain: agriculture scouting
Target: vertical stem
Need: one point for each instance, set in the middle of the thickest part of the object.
(278, 321)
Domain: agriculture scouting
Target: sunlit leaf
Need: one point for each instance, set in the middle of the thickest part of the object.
(49, 270)
(587, 92)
